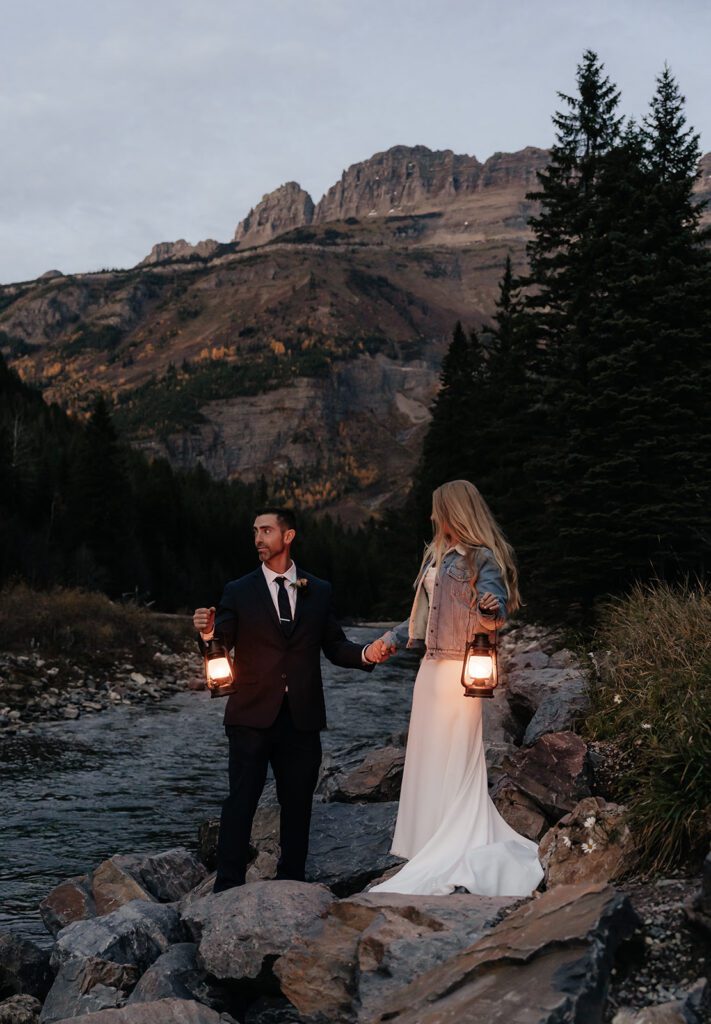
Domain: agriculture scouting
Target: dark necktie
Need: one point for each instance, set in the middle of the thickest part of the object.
(285, 619)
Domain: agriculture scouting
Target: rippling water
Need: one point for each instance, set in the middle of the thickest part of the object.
(143, 778)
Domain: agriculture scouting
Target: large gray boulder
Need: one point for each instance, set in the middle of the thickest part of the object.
(99, 961)
(549, 961)
(368, 947)
(174, 975)
(163, 877)
(557, 712)
(350, 844)
(87, 984)
(171, 874)
(24, 967)
(555, 773)
(137, 933)
(241, 931)
(527, 688)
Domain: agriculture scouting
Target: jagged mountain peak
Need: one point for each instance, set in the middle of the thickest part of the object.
(289, 206)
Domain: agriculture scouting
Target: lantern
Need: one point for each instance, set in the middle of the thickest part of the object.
(480, 671)
(219, 670)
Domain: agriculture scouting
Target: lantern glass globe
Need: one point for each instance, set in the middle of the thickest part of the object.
(479, 666)
(219, 669)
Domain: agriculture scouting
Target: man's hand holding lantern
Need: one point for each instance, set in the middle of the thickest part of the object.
(204, 622)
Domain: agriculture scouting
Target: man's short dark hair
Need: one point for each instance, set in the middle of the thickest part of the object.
(285, 517)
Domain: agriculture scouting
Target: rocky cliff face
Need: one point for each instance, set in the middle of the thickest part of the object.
(406, 179)
(287, 207)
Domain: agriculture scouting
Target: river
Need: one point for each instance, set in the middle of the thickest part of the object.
(138, 779)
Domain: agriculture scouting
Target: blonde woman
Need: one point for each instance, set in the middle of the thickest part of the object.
(447, 828)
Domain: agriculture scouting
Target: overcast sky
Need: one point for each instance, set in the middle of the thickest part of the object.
(129, 122)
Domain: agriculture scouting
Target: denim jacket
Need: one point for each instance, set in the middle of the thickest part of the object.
(454, 618)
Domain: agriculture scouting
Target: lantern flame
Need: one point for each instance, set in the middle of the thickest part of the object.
(479, 666)
(219, 669)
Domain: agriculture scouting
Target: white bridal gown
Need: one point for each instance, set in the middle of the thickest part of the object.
(447, 827)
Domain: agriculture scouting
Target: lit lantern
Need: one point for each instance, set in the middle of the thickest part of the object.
(480, 671)
(219, 670)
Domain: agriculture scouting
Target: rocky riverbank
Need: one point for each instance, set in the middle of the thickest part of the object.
(141, 937)
(39, 688)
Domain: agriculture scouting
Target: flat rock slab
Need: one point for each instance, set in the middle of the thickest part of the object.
(557, 712)
(242, 930)
(376, 778)
(370, 946)
(163, 1011)
(527, 688)
(549, 961)
(350, 844)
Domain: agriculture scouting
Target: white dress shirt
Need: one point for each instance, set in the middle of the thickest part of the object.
(290, 577)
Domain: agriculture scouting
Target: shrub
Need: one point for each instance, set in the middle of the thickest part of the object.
(654, 655)
(82, 624)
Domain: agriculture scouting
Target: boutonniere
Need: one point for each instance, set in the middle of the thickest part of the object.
(299, 584)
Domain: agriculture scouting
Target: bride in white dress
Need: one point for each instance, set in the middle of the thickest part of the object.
(447, 827)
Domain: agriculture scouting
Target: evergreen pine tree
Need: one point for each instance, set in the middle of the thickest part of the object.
(509, 431)
(448, 451)
(585, 132)
(625, 469)
(100, 503)
(679, 311)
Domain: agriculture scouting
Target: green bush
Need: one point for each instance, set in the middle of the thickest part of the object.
(654, 654)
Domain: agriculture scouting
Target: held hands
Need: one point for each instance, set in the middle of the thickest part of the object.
(489, 605)
(204, 622)
(378, 651)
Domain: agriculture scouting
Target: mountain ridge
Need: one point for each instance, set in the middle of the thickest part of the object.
(307, 353)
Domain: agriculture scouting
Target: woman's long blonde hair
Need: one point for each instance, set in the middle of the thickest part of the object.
(459, 506)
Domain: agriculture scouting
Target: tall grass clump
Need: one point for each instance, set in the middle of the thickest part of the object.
(652, 703)
(82, 624)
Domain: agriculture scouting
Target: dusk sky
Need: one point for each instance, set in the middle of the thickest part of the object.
(129, 123)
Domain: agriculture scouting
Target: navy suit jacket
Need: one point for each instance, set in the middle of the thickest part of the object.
(267, 661)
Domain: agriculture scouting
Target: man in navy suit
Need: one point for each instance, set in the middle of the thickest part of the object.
(278, 619)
